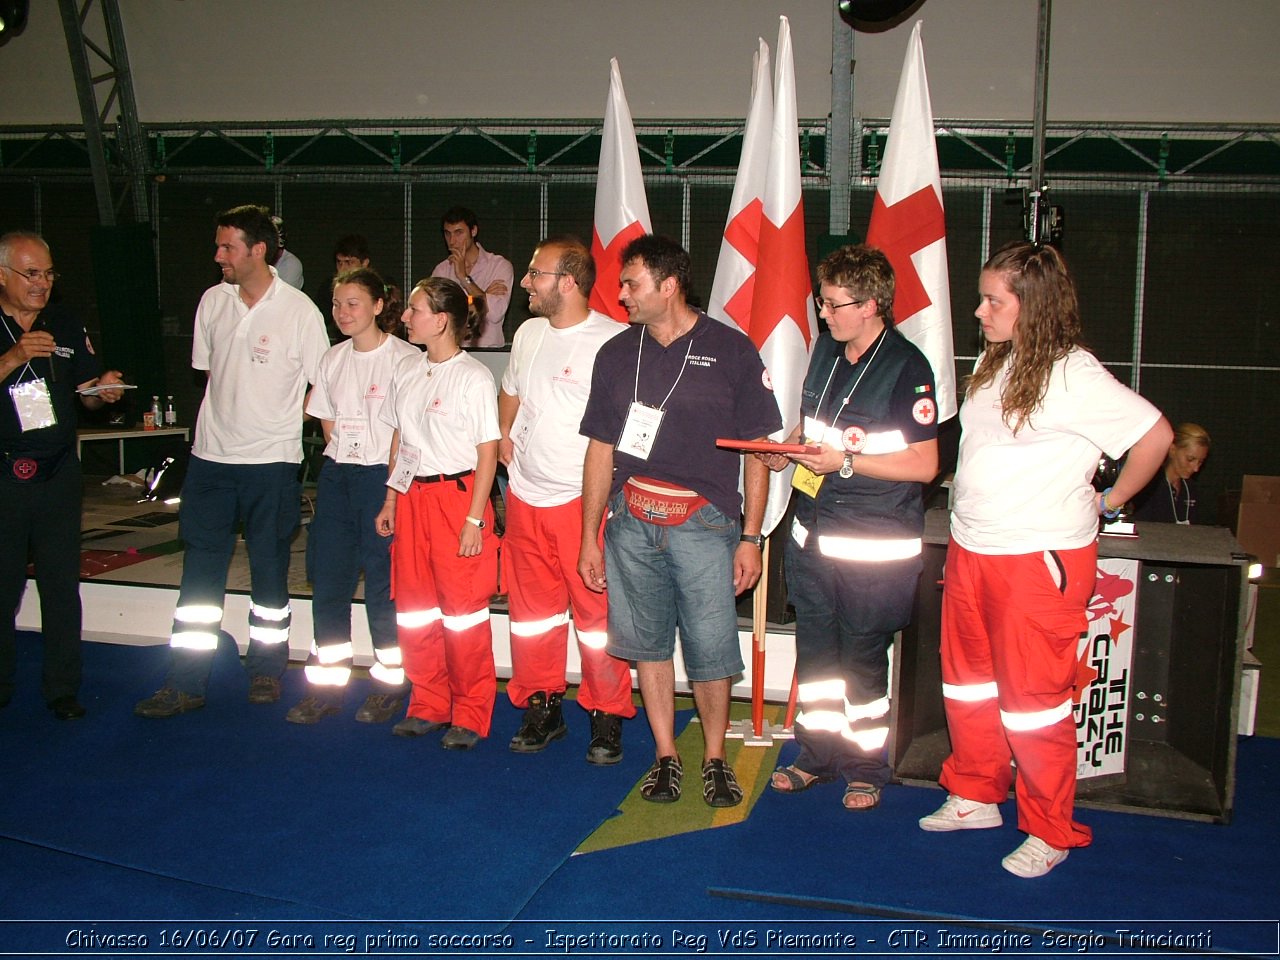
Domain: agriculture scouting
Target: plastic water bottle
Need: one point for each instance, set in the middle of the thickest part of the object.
(170, 414)
(157, 415)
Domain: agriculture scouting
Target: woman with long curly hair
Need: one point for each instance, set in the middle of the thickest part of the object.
(1021, 565)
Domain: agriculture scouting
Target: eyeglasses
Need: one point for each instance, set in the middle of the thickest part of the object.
(31, 276)
(534, 274)
(827, 305)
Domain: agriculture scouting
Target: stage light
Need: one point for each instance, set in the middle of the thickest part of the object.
(876, 15)
(13, 18)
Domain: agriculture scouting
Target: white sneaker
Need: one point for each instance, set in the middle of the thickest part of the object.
(957, 813)
(1034, 858)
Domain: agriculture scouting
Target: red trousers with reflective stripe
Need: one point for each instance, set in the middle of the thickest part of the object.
(451, 669)
(540, 569)
(1016, 620)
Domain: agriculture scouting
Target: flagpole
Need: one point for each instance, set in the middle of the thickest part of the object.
(759, 627)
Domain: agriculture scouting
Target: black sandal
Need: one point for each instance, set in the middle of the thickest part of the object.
(662, 783)
(719, 785)
(795, 780)
(857, 791)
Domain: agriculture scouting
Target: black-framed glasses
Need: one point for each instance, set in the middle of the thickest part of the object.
(533, 273)
(824, 304)
(32, 275)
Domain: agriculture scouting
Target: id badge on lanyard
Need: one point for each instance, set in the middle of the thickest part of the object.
(641, 430)
(802, 478)
(408, 458)
(522, 428)
(353, 439)
(33, 404)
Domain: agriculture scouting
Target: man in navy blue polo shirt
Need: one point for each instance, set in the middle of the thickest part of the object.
(675, 550)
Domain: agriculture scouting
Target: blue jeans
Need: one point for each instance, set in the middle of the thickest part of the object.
(216, 498)
(661, 578)
(342, 535)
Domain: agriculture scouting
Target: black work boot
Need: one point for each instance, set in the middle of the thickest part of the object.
(606, 738)
(543, 723)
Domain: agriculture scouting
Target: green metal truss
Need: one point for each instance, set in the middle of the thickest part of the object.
(1163, 155)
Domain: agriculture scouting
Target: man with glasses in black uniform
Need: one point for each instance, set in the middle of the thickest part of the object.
(48, 362)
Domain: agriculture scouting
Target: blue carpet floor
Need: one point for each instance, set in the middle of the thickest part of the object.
(230, 812)
(804, 857)
(259, 817)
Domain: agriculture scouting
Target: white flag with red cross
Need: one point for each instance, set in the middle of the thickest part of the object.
(908, 224)
(622, 209)
(783, 321)
(735, 280)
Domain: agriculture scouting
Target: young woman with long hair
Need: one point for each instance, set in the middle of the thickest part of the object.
(1021, 565)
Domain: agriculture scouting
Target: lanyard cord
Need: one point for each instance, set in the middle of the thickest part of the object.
(1173, 501)
(635, 397)
(857, 380)
(27, 366)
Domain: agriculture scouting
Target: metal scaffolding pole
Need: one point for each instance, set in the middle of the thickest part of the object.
(840, 139)
(132, 142)
(1035, 213)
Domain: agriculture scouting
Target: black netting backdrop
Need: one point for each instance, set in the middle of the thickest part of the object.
(1175, 284)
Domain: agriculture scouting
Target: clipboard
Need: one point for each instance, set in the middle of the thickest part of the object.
(98, 388)
(766, 446)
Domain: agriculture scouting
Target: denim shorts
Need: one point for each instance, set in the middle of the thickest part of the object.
(663, 578)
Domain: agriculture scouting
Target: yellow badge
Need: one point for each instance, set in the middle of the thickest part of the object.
(806, 481)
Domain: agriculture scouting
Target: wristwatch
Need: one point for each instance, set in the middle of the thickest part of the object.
(756, 538)
(846, 468)
(479, 524)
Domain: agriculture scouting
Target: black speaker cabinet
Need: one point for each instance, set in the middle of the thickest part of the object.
(1184, 679)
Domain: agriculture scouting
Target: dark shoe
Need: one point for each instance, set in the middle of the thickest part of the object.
(662, 783)
(264, 690)
(379, 708)
(606, 738)
(417, 727)
(311, 710)
(66, 708)
(459, 738)
(543, 723)
(167, 702)
(719, 785)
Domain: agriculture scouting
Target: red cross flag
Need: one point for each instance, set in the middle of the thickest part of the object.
(908, 224)
(735, 281)
(783, 321)
(622, 209)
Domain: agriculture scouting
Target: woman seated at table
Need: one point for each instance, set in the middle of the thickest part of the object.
(1168, 497)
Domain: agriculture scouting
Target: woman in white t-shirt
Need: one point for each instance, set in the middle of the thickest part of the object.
(347, 399)
(443, 406)
(1022, 560)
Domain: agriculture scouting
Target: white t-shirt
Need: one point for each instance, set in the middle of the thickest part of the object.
(1032, 492)
(260, 361)
(550, 372)
(350, 391)
(445, 410)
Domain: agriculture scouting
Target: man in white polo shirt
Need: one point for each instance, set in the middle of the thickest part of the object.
(260, 341)
(544, 393)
